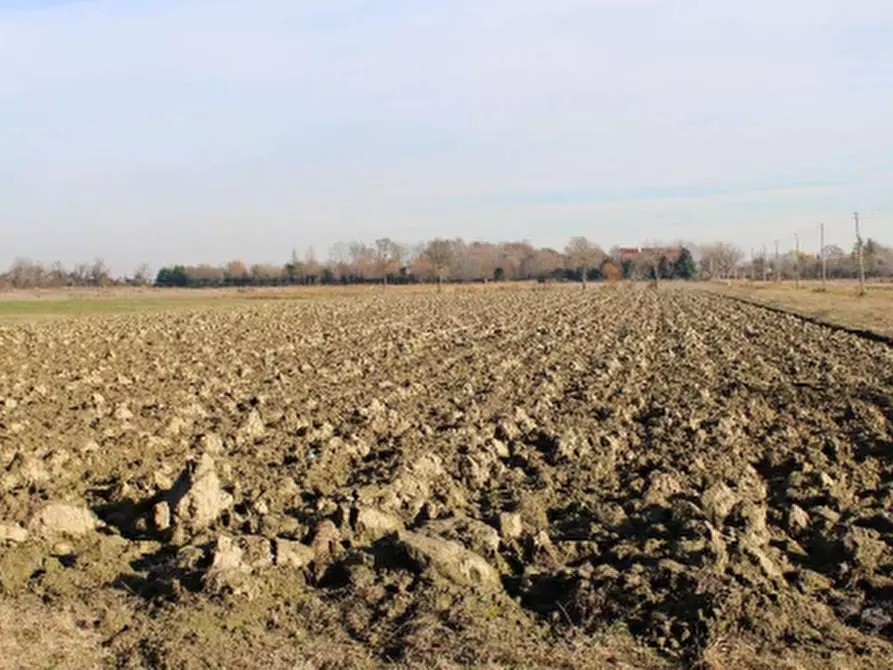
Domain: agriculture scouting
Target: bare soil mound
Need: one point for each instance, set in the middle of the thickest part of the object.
(610, 478)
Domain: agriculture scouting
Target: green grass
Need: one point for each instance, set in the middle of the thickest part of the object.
(61, 304)
(65, 306)
(69, 307)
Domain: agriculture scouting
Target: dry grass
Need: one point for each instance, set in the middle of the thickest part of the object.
(34, 635)
(839, 305)
(743, 654)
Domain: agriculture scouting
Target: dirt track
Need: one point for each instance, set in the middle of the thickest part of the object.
(617, 478)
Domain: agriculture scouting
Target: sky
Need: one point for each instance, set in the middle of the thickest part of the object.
(190, 131)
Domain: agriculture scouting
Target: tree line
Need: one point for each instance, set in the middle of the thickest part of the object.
(439, 260)
(877, 260)
(455, 260)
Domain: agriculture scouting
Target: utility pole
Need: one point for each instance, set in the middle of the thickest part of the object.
(861, 257)
(765, 263)
(797, 259)
(777, 263)
(824, 260)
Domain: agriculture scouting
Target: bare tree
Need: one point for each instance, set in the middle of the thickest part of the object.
(514, 258)
(80, 274)
(207, 275)
(877, 258)
(884, 261)
(720, 259)
(100, 275)
(235, 272)
(339, 260)
(649, 263)
(142, 276)
(439, 253)
(57, 275)
(469, 262)
(542, 263)
(388, 258)
(265, 274)
(312, 267)
(419, 265)
(362, 260)
(583, 255)
(23, 273)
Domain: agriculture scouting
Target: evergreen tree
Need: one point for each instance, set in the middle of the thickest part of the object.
(175, 276)
(685, 267)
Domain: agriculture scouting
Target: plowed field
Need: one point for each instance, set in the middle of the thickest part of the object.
(560, 478)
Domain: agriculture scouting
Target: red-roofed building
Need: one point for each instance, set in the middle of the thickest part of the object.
(633, 254)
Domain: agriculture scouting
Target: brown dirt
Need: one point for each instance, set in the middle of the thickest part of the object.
(606, 478)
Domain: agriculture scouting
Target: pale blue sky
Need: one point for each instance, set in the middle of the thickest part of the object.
(201, 130)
